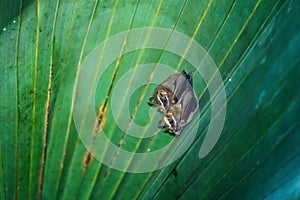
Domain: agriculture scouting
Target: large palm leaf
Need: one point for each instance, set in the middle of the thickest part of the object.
(255, 47)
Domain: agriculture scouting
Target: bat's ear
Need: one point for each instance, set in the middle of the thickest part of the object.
(185, 74)
(188, 76)
(151, 101)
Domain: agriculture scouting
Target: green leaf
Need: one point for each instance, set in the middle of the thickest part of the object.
(44, 46)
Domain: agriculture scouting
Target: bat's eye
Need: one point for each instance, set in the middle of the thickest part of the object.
(171, 119)
(165, 101)
(172, 122)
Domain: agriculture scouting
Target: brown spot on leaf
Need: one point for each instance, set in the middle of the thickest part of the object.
(105, 174)
(100, 119)
(87, 159)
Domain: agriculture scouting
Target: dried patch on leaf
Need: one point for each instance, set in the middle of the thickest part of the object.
(100, 119)
(87, 159)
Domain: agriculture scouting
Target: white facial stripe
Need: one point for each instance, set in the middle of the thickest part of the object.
(160, 101)
(168, 123)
